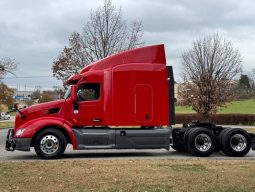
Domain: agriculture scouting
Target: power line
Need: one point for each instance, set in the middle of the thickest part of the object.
(26, 77)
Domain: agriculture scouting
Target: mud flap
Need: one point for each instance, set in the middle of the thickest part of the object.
(10, 143)
(252, 135)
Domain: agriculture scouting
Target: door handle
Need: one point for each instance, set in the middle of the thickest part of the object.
(96, 120)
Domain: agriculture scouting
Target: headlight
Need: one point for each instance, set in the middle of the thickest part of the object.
(20, 132)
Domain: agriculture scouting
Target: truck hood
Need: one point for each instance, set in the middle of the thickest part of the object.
(48, 109)
(44, 106)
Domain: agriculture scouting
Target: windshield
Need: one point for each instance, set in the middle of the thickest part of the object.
(68, 92)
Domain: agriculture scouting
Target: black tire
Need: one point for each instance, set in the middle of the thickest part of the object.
(199, 137)
(186, 135)
(50, 144)
(235, 142)
(218, 140)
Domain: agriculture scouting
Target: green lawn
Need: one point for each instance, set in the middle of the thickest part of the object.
(183, 109)
(236, 107)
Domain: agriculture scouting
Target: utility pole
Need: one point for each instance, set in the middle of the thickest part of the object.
(25, 98)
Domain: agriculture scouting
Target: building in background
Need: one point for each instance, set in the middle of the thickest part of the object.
(22, 95)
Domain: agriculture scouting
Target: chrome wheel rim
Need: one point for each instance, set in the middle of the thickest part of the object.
(203, 142)
(49, 144)
(238, 142)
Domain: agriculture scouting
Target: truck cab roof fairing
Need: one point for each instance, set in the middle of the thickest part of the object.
(74, 79)
(154, 54)
(151, 54)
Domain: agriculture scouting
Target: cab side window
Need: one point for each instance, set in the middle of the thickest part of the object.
(88, 92)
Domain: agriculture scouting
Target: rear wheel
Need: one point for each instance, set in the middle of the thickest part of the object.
(235, 142)
(50, 144)
(200, 142)
(218, 140)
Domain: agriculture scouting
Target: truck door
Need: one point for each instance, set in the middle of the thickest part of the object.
(89, 108)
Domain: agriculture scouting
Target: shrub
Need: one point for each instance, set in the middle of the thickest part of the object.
(221, 119)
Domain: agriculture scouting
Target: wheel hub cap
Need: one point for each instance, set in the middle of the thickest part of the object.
(238, 142)
(49, 144)
(203, 142)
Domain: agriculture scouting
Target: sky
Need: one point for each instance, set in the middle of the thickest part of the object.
(35, 32)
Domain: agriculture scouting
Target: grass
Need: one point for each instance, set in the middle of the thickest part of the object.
(6, 124)
(241, 107)
(250, 130)
(236, 107)
(186, 167)
(128, 175)
(183, 109)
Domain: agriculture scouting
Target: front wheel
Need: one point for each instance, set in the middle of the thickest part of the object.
(50, 144)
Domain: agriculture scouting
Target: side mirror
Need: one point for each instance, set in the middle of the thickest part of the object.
(16, 106)
(73, 93)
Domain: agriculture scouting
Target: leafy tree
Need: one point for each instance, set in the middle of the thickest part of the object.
(7, 65)
(59, 91)
(105, 33)
(209, 69)
(6, 95)
(46, 96)
(245, 87)
(244, 82)
(39, 96)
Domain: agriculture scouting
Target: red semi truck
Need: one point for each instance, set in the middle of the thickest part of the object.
(125, 101)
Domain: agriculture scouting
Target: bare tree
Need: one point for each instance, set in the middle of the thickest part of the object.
(70, 61)
(104, 34)
(209, 68)
(7, 65)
